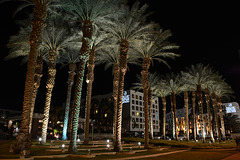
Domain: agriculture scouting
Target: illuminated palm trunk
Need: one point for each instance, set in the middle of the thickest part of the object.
(164, 116)
(175, 113)
(52, 56)
(150, 112)
(217, 128)
(122, 72)
(221, 118)
(145, 86)
(200, 104)
(194, 115)
(209, 114)
(71, 74)
(23, 139)
(37, 80)
(115, 93)
(187, 120)
(90, 79)
(87, 30)
(173, 117)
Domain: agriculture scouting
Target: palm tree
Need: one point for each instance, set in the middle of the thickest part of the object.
(162, 91)
(172, 82)
(71, 58)
(19, 46)
(186, 88)
(56, 40)
(131, 27)
(38, 23)
(98, 42)
(88, 12)
(109, 56)
(150, 51)
(198, 75)
(218, 90)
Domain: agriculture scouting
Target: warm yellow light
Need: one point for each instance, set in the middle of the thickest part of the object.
(105, 115)
(137, 113)
(96, 111)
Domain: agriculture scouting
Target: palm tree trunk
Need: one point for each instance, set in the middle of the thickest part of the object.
(209, 114)
(221, 118)
(173, 117)
(71, 74)
(214, 100)
(175, 114)
(150, 112)
(87, 30)
(37, 79)
(52, 57)
(115, 95)
(187, 120)
(194, 115)
(123, 69)
(200, 104)
(23, 139)
(90, 79)
(145, 86)
(164, 117)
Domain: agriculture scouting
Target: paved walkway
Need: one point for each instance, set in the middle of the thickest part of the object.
(152, 155)
(233, 157)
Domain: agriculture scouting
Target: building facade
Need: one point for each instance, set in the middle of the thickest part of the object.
(133, 113)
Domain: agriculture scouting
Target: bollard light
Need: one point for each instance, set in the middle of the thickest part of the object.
(108, 140)
(108, 146)
(139, 144)
(63, 145)
(89, 151)
(40, 140)
(78, 140)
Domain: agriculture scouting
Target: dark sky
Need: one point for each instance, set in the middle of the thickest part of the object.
(207, 33)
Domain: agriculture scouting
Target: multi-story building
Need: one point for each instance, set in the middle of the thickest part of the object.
(133, 112)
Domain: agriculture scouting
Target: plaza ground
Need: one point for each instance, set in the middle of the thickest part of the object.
(99, 151)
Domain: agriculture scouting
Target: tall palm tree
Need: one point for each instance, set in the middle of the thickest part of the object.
(38, 23)
(162, 91)
(198, 75)
(88, 12)
(218, 90)
(156, 49)
(185, 89)
(99, 39)
(109, 56)
(56, 40)
(71, 58)
(131, 27)
(19, 47)
(173, 83)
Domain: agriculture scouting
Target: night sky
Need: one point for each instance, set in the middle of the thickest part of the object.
(206, 33)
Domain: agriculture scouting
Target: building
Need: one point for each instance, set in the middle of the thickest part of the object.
(133, 113)
(232, 108)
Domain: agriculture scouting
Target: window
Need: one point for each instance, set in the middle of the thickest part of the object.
(140, 114)
(153, 106)
(105, 115)
(137, 108)
(133, 113)
(136, 119)
(136, 102)
(140, 97)
(141, 126)
(136, 96)
(133, 107)
(140, 103)
(140, 120)
(132, 95)
(133, 102)
(141, 108)
(137, 113)
(155, 101)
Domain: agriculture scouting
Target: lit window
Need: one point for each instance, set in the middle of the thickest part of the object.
(96, 111)
(137, 113)
(136, 96)
(105, 115)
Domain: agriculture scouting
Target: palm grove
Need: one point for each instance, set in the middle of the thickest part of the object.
(85, 33)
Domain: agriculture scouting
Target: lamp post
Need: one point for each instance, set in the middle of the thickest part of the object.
(139, 144)
(63, 146)
(40, 140)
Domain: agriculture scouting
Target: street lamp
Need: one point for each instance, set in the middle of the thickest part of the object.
(40, 140)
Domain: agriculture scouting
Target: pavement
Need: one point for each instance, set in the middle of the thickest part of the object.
(233, 157)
